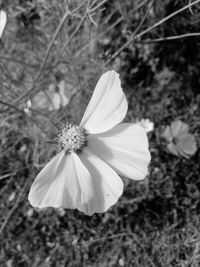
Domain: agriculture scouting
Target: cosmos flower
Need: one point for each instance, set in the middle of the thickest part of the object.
(3, 19)
(180, 141)
(146, 124)
(84, 175)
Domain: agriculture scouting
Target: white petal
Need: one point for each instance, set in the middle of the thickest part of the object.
(125, 148)
(146, 124)
(107, 184)
(108, 105)
(3, 19)
(64, 181)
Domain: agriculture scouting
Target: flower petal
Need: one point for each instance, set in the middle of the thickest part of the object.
(108, 186)
(124, 148)
(179, 128)
(64, 181)
(3, 19)
(172, 148)
(187, 145)
(108, 105)
(146, 124)
(167, 134)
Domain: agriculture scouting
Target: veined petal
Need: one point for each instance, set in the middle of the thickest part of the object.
(167, 134)
(64, 181)
(108, 186)
(108, 105)
(124, 148)
(187, 145)
(179, 128)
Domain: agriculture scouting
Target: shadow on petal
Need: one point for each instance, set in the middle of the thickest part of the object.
(107, 185)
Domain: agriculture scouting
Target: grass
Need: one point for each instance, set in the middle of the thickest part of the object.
(156, 221)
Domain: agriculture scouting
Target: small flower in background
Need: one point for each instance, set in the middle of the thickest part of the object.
(12, 196)
(146, 124)
(121, 262)
(164, 77)
(180, 141)
(30, 212)
(56, 97)
(3, 20)
(27, 108)
(84, 175)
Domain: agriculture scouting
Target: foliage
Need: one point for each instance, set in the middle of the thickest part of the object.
(156, 221)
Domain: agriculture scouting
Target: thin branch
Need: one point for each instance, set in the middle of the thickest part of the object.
(74, 32)
(169, 38)
(19, 61)
(10, 106)
(98, 37)
(191, 8)
(166, 19)
(97, 6)
(132, 36)
(67, 13)
(48, 52)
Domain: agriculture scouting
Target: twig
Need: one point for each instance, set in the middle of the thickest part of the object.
(166, 19)
(48, 52)
(132, 36)
(10, 180)
(191, 8)
(5, 176)
(98, 37)
(74, 32)
(10, 106)
(19, 61)
(67, 13)
(97, 6)
(169, 38)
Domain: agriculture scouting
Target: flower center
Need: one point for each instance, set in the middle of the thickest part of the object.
(72, 138)
(175, 140)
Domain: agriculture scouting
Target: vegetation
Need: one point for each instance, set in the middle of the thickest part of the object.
(51, 56)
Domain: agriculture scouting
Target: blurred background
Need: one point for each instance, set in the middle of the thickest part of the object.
(52, 54)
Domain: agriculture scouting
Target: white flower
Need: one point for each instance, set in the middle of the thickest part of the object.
(85, 174)
(3, 19)
(146, 124)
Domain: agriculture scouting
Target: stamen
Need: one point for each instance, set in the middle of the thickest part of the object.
(72, 138)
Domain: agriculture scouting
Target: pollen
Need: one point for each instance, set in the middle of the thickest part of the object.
(72, 138)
